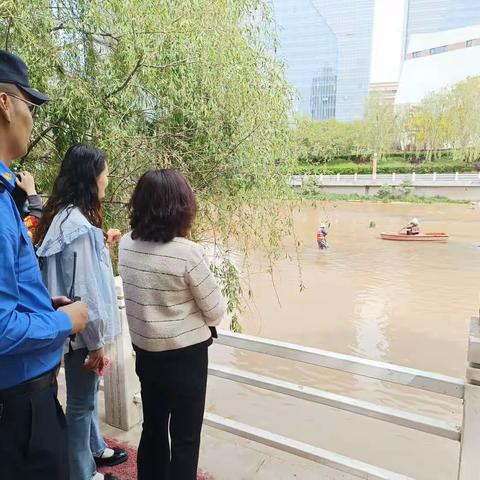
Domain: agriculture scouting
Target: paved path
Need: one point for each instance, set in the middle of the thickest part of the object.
(227, 457)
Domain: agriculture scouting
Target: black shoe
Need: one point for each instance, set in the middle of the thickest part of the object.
(109, 476)
(117, 458)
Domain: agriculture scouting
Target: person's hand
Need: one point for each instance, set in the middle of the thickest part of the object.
(26, 182)
(78, 314)
(96, 359)
(113, 236)
(60, 302)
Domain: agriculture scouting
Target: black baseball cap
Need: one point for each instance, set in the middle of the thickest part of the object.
(13, 70)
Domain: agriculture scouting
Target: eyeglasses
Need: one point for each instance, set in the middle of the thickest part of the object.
(32, 107)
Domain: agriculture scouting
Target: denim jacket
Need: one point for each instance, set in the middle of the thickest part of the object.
(71, 232)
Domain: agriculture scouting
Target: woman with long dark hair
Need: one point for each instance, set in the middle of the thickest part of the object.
(76, 263)
(172, 298)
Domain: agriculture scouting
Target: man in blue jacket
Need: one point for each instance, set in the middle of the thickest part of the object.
(33, 439)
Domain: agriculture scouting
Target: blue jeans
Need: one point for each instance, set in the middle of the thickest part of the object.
(84, 437)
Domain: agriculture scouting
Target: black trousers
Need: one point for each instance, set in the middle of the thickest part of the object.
(173, 397)
(33, 437)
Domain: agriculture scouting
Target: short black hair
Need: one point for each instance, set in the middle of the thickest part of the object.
(162, 206)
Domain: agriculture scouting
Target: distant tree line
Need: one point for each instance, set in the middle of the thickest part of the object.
(443, 126)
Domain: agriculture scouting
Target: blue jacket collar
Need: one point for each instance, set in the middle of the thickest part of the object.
(7, 177)
(67, 226)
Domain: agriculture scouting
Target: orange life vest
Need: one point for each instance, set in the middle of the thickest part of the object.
(320, 235)
(31, 223)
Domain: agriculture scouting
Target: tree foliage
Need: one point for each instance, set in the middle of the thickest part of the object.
(464, 127)
(190, 84)
(428, 124)
(378, 129)
(325, 140)
(444, 121)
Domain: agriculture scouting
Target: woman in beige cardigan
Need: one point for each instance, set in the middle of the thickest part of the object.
(172, 298)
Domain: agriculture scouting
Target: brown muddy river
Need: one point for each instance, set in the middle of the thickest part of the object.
(405, 303)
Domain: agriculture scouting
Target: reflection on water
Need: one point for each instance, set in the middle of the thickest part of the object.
(370, 323)
(405, 303)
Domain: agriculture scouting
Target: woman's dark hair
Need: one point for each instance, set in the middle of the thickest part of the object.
(75, 185)
(162, 206)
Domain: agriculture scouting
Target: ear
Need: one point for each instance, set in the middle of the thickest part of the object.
(5, 107)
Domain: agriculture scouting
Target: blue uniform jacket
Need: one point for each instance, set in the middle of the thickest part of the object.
(32, 333)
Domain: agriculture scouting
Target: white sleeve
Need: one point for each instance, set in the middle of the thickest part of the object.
(204, 287)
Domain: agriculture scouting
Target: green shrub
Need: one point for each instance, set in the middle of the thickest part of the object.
(386, 191)
(385, 167)
(413, 158)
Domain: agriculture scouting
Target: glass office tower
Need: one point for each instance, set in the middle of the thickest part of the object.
(326, 46)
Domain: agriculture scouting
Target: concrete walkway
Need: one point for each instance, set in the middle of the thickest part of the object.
(227, 457)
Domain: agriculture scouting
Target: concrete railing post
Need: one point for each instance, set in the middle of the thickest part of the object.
(413, 177)
(393, 178)
(469, 467)
(121, 382)
(434, 176)
(338, 177)
(321, 178)
(456, 176)
(355, 177)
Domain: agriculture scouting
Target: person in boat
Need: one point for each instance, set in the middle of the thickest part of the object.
(413, 227)
(322, 237)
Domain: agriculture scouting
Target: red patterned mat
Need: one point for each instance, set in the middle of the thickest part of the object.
(128, 470)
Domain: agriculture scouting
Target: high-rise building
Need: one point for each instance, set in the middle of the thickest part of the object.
(323, 96)
(429, 16)
(385, 91)
(437, 61)
(425, 16)
(308, 48)
(326, 46)
(438, 40)
(463, 13)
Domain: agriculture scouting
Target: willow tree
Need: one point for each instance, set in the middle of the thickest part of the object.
(462, 117)
(430, 125)
(379, 126)
(190, 84)
(325, 140)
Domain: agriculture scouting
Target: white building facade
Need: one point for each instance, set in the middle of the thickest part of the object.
(435, 61)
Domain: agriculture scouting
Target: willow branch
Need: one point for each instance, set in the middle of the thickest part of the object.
(127, 80)
(107, 35)
(57, 28)
(35, 142)
(7, 37)
(207, 175)
(173, 64)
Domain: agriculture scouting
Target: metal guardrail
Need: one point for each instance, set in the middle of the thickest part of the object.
(360, 407)
(419, 379)
(387, 372)
(416, 179)
(315, 454)
(122, 402)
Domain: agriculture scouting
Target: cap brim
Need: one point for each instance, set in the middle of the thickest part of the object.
(35, 96)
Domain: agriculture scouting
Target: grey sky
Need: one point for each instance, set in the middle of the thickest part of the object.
(387, 40)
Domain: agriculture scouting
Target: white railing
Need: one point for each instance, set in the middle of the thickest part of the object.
(127, 411)
(427, 179)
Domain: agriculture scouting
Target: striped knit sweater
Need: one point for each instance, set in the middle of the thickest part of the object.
(171, 296)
